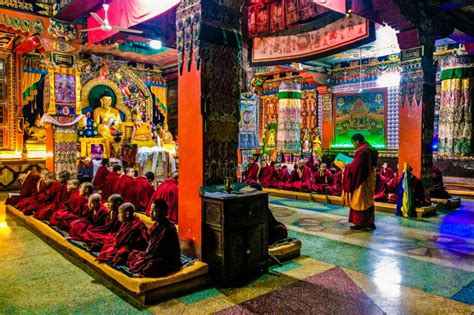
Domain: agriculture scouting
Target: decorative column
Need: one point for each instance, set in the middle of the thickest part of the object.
(209, 65)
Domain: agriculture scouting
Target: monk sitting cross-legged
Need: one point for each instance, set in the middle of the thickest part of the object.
(110, 181)
(163, 253)
(300, 179)
(96, 217)
(142, 191)
(101, 174)
(322, 179)
(265, 174)
(133, 234)
(40, 186)
(45, 211)
(74, 209)
(168, 191)
(251, 172)
(48, 193)
(125, 184)
(28, 187)
(280, 176)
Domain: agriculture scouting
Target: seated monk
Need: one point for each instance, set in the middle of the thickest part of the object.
(48, 193)
(28, 182)
(75, 208)
(44, 212)
(265, 174)
(251, 171)
(99, 235)
(101, 174)
(163, 254)
(110, 181)
(386, 173)
(124, 184)
(132, 235)
(381, 189)
(438, 190)
(321, 179)
(96, 217)
(417, 189)
(300, 179)
(280, 176)
(142, 191)
(142, 134)
(336, 188)
(39, 187)
(168, 191)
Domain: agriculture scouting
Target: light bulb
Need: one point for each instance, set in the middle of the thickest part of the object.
(155, 44)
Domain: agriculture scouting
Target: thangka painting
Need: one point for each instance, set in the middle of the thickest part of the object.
(65, 89)
(360, 113)
(248, 131)
(270, 141)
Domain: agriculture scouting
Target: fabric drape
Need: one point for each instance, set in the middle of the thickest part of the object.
(160, 92)
(289, 114)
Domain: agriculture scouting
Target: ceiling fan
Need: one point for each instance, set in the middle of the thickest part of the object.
(105, 25)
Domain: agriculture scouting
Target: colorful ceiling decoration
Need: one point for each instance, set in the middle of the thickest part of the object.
(6, 40)
(38, 7)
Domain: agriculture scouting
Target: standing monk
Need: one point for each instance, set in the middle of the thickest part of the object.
(110, 181)
(359, 185)
(168, 191)
(101, 174)
(28, 187)
(142, 191)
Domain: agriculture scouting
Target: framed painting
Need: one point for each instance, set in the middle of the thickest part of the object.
(363, 113)
(64, 91)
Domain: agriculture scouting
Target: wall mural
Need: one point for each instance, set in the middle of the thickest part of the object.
(360, 113)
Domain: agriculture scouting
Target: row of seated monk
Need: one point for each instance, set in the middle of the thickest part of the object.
(309, 175)
(112, 229)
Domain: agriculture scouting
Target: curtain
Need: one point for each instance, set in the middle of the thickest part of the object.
(455, 117)
(160, 93)
(248, 130)
(289, 113)
(29, 86)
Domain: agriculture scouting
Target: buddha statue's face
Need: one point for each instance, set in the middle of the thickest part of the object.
(106, 101)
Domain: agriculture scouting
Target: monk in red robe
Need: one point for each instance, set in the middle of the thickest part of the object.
(438, 190)
(265, 174)
(300, 179)
(45, 211)
(359, 185)
(50, 190)
(163, 254)
(97, 236)
(280, 176)
(96, 217)
(40, 186)
(28, 182)
(321, 179)
(168, 191)
(132, 235)
(386, 172)
(381, 189)
(110, 181)
(336, 188)
(75, 208)
(125, 184)
(251, 171)
(142, 191)
(101, 174)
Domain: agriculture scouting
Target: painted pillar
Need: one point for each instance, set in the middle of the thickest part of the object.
(209, 65)
(327, 130)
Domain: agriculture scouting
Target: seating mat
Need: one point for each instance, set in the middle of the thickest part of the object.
(192, 268)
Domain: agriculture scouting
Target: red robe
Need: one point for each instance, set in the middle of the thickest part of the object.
(381, 189)
(163, 254)
(387, 174)
(438, 190)
(296, 182)
(44, 198)
(355, 174)
(75, 208)
(100, 177)
(280, 178)
(336, 188)
(322, 180)
(265, 176)
(131, 235)
(25, 202)
(108, 188)
(28, 188)
(251, 174)
(98, 236)
(142, 192)
(124, 187)
(168, 191)
(45, 212)
(79, 228)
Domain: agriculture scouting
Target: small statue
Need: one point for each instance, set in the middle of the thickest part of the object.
(106, 117)
(142, 133)
(165, 136)
(37, 133)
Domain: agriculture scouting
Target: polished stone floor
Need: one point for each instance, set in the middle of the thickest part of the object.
(404, 267)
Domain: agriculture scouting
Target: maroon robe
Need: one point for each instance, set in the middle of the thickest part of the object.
(75, 208)
(168, 191)
(355, 174)
(322, 180)
(44, 198)
(108, 188)
(98, 236)
(45, 211)
(25, 202)
(265, 176)
(141, 193)
(251, 173)
(28, 188)
(131, 235)
(336, 188)
(100, 177)
(438, 190)
(124, 187)
(163, 254)
(280, 178)
(298, 183)
(381, 189)
(79, 227)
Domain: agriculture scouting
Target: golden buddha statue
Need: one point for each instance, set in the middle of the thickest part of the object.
(142, 133)
(36, 133)
(165, 136)
(106, 117)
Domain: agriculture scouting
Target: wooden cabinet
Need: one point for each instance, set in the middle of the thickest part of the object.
(235, 235)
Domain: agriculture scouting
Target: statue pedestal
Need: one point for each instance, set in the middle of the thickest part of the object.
(86, 145)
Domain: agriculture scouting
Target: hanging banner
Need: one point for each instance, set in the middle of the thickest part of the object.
(27, 6)
(342, 34)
